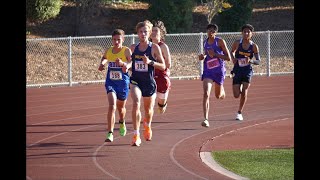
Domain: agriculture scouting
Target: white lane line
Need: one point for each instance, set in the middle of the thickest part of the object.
(171, 154)
(179, 142)
(185, 98)
(74, 117)
(98, 149)
(46, 122)
(50, 137)
(56, 165)
(94, 157)
(209, 161)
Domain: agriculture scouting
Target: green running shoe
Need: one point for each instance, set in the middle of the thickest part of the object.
(109, 137)
(123, 129)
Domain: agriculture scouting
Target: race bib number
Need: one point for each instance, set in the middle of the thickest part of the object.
(242, 62)
(115, 75)
(141, 66)
(213, 63)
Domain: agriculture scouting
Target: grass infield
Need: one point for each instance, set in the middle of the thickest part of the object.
(268, 164)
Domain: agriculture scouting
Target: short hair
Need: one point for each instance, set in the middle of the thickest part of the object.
(163, 30)
(214, 26)
(117, 32)
(249, 26)
(146, 23)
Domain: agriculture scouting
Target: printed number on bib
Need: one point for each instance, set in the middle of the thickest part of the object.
(213, 63)
(141, 66)
(115, 75)
(242, 62)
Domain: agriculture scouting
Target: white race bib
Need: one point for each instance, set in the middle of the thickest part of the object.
(115, 75)
(213, 63)
(242, 62)
(140, 66)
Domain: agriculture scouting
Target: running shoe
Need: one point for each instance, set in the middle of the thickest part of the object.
(239, 117)
(205, 123)
(123, 128)
(109, 137)
(136, 140)
(147, 133)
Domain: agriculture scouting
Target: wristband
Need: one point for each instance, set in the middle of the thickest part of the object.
(151, 63)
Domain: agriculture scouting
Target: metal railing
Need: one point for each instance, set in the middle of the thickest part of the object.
(75, 60)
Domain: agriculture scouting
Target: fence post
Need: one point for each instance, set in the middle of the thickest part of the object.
(268, 53)
(70, 62)
(132, 39)
(201, 51)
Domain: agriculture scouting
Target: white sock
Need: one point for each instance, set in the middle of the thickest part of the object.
(136, 132)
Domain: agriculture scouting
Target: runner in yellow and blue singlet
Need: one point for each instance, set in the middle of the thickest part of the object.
(116, 80)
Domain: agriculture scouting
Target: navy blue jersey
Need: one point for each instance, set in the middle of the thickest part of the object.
(241, 55)
(141, 72)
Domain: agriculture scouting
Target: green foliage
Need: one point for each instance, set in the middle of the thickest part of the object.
(215, 7)
(176, 14)
(42, 10)
(118, 1)
(232, 19)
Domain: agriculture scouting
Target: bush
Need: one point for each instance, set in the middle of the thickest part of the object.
(176, 14)
(42, 10)
(232, 19)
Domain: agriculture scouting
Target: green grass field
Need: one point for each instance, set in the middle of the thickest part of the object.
(269, 164)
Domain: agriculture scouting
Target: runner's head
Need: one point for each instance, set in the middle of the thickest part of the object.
(117, 37)
(159, 30)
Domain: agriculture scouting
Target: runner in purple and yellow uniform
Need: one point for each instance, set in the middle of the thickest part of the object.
(242, 53)
(214, 72)
(117, 81)
(142, 83)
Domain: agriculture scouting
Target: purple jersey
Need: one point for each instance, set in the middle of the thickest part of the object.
(213, 67)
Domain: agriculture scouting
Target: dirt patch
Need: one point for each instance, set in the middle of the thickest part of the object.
(267, 15)
(47, 62)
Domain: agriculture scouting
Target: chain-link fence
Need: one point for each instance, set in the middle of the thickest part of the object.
(75, 60)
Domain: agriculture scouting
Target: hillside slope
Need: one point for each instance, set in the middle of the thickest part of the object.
(267, 15)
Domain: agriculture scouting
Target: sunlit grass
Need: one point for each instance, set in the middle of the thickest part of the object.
(270, 164)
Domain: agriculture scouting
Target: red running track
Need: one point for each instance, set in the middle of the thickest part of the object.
(66, 128)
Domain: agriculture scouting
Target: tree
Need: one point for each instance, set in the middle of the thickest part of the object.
(235, 17)
(85, 10)
(176, 14)
(216, 6)
(42, 10)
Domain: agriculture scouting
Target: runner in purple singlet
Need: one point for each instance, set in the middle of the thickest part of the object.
(214, 55)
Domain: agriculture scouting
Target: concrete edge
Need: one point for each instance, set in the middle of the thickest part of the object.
(209, 161)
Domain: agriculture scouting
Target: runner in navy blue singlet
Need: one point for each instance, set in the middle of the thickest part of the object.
(142, 83)
(242, 53)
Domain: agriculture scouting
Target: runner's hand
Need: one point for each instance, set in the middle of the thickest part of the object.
(101, 67)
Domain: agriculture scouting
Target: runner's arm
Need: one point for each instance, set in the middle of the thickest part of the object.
(256, 55)
(166, 55)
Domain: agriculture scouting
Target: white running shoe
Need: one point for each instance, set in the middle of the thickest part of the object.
(239, 117)
(205, 123)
